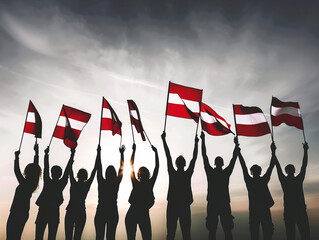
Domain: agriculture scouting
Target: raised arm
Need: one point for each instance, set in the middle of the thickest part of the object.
(91, 178)
(281, 175)
(243, 165)
(64, 179)
(302, 173)
(36, 154)
(170, 167)
(133, 178)
(17, 170)
(195, 152)
(205, 158)
(120, 173)
(229, 169)
(270, 168)
(46, 174)
(72, 179)
(99, 164)
(155, 173)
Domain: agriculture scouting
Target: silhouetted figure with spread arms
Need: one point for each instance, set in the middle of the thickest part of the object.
(179, 195)
(141, 200)
(260, 199)
(295, 212)
(75, 216)
(107, 215)
(28, 183)
(51, 197)
(218, 193)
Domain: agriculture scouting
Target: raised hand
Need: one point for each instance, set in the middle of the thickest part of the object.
(17, 153)
(305, 146)
(72, 151)
(154, 148)
(134, 146)
(98, 148)
(273, 147)
(196, 139)
(47, 150)
(236, 140)
(122, 148)
(36, 148)
(163, 135)
(202, 135)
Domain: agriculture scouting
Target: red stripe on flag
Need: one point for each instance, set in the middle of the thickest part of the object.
(277, 103)
(214, 129)
(76, 114)
(29, 127)
(59, 132)
(178, 110)
(187, 93)
(242, 110)
(288, 119)
(253, 130)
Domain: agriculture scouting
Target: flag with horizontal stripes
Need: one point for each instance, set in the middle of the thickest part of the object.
(285, 112)
(135, 118)
(70, 125)
(109, 120)
(212, 123)
(183, 102)
(33, 123)
(250, 121)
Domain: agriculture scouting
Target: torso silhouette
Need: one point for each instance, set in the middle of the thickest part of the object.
(179, 190)
(78, 193)
(142, 195)
(293, 193)
(51, 195)
(22, 195)
(108, 190)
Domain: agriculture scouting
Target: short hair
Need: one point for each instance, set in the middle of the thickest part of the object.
(180, 161)
(290, 168)
(255, 169)
(220, 160)
(82, 174)
(56, 171)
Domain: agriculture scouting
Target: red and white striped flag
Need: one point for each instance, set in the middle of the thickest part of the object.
(250, 121)
(109, 120)
(183, 102)
(33, 123)
(285, 112)
(212, 123)
(70, 124)
(135, 118)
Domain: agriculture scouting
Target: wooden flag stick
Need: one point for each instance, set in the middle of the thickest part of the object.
(235, 121)
(101, 121)
(169, 82)
(26, 117)
(121, 140)
(148, 138)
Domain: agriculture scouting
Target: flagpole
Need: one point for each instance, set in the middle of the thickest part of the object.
(101, 121)
(148, 138)
(303, 128)
(235, 121)
(26, 117)
(169, 82)
(129, 112)
(200, 107)
(55, 127)
(272, 128)
(121, 140)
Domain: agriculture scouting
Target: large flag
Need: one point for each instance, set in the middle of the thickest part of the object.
(212, 123)
(33, 123)
(183, 102)
(109, 120)
(285, 112)
(250, 121)
(70, 124)
(135, 118)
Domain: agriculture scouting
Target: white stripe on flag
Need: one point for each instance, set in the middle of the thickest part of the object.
(191, 105)
(31, 117)
(207, 118)
(74, 123)
(250, 119)
(134, 114)
(106, 113)
(276, 111)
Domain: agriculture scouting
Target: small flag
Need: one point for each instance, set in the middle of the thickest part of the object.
(109, 120)
(285, 112)
(135, 118)
(71, 123)
(212, 123)
(33, 124)
(250, 121)
(183, 102)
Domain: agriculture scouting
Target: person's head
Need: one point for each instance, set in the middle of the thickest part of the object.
(32, 172)
(82, 175)
(180, 162)
(219, 162)
(143, 174)
(290, 170)
(255, 170)
(56, 172)
(110, 172)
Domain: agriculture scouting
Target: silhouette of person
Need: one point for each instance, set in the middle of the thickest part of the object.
(218, 193)
(295, 212)
(260, 199)
(75, 216)
(107, 215)
(51, 197)
(141, 199)
(179, 195)
(28, 183)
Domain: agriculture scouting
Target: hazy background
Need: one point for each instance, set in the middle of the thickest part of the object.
(74, 52)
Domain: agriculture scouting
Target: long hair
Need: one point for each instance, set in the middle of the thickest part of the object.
(32, 174)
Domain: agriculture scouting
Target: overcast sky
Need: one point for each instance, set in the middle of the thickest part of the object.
(74, 52)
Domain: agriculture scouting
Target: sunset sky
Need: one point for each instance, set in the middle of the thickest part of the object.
(74, 52)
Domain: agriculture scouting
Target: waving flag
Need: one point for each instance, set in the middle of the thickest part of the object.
(183, 102)
(212, 123)
(285, 112)
(70, 124)
(109, 120)
(33, 123)
(135, 118)
(250, 121)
